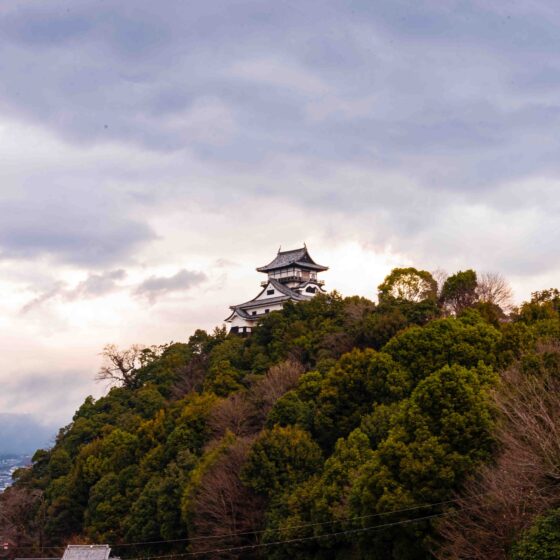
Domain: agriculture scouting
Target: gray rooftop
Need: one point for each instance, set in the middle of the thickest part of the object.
(87, 552)
(83, 552)
(286, 292)
(287, 295)
(295, 257)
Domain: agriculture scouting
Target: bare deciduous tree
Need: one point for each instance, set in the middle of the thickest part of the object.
(522, 483)
(191, 376)
(244, 413)
(20, 525)
(233, 414)
(440, 276)
(119, 366)
(356, 309)
(335, 344)
(278, 380)
(494, 288)
(224, 506)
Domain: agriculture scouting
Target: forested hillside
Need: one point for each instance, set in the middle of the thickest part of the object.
(425, 425)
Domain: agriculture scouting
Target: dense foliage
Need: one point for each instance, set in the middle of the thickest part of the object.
(340, 429)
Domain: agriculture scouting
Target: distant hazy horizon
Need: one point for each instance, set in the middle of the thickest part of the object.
(24, 433)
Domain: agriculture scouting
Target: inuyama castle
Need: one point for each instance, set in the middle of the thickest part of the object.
(292, 275)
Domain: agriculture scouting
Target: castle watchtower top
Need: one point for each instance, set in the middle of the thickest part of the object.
(296, 258)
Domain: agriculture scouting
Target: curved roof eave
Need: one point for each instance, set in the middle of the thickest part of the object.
(299, 257)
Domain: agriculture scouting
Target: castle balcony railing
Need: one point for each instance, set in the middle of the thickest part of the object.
(286, 279)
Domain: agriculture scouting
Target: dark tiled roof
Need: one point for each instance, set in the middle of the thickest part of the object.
(287, 295)
(242, 313)
(298, 257)
(262, 302)
(283, 289)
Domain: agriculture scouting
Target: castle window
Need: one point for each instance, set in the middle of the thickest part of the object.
(269, 292)
(310, 289)
(253, 313)
(267, 310)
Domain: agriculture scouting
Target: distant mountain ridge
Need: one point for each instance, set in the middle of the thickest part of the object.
(22, 433)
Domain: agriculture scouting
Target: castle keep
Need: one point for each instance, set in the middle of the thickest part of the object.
(292, 275)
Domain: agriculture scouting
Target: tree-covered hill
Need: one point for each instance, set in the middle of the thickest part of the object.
(424, 425)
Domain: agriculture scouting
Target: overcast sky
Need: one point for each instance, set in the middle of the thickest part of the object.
(154, 153)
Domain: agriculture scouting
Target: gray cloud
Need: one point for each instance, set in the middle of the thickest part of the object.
(56, 290)
(385, 114)
(53, 393)
(383, 83)
(95, 285)
(71, 232)
(98, 284)
(157, 286)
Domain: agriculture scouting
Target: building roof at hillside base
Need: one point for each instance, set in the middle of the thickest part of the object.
(295, 257)
(83, 552)
(87, 552)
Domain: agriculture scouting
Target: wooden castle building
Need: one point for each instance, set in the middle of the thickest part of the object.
(292, 276)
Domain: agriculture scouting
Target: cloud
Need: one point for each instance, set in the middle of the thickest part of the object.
(158, 286)
(95, 285)
(82, 235)
(49, 394)
(279, 74)
(422, 88)
(207, 121)
(68, 205)
(57, 289)
(137, 140)
(98, 284)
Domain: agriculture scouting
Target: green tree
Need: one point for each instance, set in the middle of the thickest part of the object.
(300, 330)
(359, 380)
(408, 284)
(378, 327)
(228, 365)
(190, 430)
(107, 507)
(543, 305)
(339, 473)
(319, 505)
(60, 463)
(541, 541)
(298, 405)
(280, 459)
(156, 513)
(441, 434)
(459, 291)
(464, 341)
